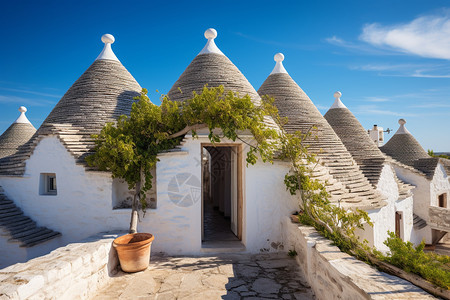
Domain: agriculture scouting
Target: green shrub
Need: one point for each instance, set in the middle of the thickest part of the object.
(431, 266)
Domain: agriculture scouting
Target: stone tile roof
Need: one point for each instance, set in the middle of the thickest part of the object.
(357, 141)
(15, 136)
(21, 228)
(213, 69)
(344, 180)
(427, 165)
(104, 92)
(404, 147)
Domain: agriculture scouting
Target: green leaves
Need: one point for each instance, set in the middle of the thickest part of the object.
(133, 142)
(431, 266)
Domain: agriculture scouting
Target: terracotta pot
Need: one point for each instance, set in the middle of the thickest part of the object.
(294, 218)
(134, 251)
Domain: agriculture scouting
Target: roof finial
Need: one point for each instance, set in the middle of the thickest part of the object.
(337, 101)
(107, 52)
(210, 47)
(279, 68)
(210, 33)
(402, 129)
(22, 118)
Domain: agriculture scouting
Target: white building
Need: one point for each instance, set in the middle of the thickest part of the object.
(204, 197)
(397, 215)
(83, 200)
(430, 176)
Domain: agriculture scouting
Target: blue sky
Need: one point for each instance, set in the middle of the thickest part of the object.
(390, 59)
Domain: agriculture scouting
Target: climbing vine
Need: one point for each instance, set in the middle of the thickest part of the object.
(129, 148)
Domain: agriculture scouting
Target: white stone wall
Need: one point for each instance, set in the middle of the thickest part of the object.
(177, 228)
(75, 271)
(12, 253)
(384, 218)
(266, 204)
(83, 204)
(421, 201)
(333, 274)
(439, 184)
(84, 201)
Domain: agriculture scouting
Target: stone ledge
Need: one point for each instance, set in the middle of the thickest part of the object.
(333, 274)
(73, 271)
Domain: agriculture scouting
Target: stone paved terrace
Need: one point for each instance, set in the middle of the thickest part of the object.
(233, 276)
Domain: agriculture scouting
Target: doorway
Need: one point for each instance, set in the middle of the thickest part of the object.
(398, 224)
(221, 193)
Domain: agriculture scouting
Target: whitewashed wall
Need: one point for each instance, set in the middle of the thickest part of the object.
(267, 203)
(84, 201)
(384, 218)
(421, 201)
(83, 204)
(177, 228)
(439, 184)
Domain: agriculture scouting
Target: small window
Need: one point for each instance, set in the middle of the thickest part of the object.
(47, 184)
(442, 199)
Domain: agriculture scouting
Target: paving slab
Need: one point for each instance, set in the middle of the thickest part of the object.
(229, 276)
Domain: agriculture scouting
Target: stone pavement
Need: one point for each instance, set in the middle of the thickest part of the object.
(230, 276)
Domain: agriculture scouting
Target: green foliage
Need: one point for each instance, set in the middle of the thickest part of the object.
(431, 153)
(333, 221)
(128, 148)
(433, 267)
(292, 253)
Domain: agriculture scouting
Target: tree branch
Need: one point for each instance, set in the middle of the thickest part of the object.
(186, 130)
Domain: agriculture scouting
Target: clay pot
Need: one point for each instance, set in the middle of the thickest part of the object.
(134, 251)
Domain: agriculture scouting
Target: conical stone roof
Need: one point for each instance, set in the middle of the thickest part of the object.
(404, 147)
(213, 68)
(356, 139)
(292, 102)
(16, 135)
(102, 93)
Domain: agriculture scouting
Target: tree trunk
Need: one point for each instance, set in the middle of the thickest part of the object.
(135, 206)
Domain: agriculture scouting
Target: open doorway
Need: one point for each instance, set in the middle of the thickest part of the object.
(221, 193)
(398, 225)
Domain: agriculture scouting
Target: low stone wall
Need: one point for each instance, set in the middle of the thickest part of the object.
(71, 272)
(439, 218)
(333, 274)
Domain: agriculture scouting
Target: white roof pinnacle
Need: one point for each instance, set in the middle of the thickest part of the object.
(337, 102)
(22, 118)
(402, 129)
(210, 47)
(279, 68)
(107, 52)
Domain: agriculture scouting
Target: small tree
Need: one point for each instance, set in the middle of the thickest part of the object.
(129, 148)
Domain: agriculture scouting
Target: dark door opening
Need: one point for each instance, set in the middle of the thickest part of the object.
(220, 190)
(398, 220)
(442, 199)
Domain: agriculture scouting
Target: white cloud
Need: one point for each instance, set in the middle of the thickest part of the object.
(30, 92)
(7, 99)
(375, 110)
(377, 99)
(426, 36)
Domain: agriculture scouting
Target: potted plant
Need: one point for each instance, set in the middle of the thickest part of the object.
(125, 149)
(129, 148)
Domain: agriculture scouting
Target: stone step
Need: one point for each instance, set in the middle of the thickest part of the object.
(6, 201)
(7, 206)
(40, 239)
(24, 233)
(11, 212)
(12, 219)
(42, 231)
(22, 227)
